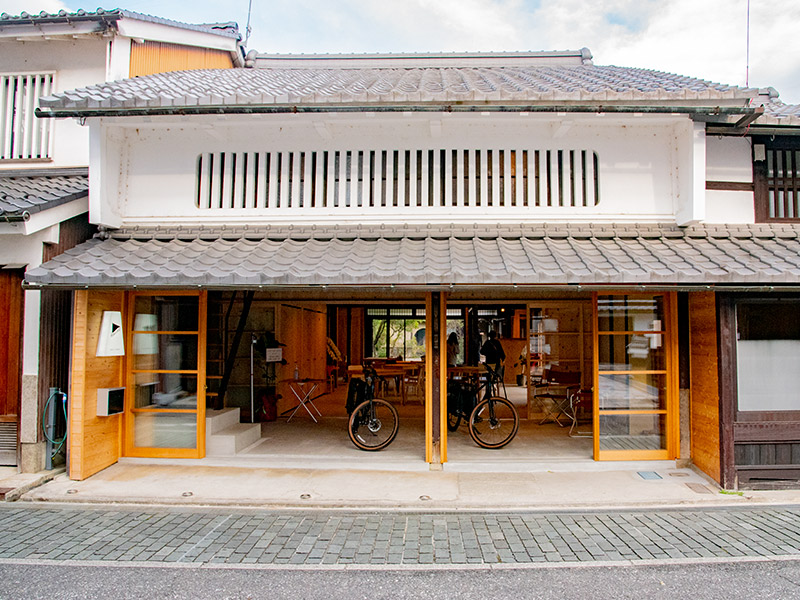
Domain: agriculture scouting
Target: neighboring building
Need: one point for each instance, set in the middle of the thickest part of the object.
(611, 221)
(44, 180)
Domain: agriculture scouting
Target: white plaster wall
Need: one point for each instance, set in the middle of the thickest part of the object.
(730, 207)
(729, 159)
(151, 165)
(77, 63)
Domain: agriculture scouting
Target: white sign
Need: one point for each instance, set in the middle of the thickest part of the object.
(111, 341)
(273, 355)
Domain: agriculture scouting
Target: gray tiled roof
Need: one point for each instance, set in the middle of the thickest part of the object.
(778, 113)
(463, 255)
(458, 86)
(103, 17)
(30, 191)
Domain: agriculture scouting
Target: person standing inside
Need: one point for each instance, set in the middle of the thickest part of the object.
(452, 349)
(492, 349)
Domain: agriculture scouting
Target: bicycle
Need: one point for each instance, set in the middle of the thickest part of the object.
(373, 422)
(493, 421)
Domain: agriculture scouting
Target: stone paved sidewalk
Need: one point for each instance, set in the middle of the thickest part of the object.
(200, 536)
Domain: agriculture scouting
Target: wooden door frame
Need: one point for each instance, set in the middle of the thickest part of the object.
(672, 412)
(128, 448)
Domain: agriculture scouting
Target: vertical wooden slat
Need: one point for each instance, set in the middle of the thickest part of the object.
(274, 177)
(366, 177)
(482, 168)
(497, 176)
(215, 178)
(411, 170)
(47, 124)
(507, 189)
(284, 184)
(304, 185)
(19, 91)
(387, 177)
(27, 117)
(402, 175)
(293, 171)
(204, 181)
(378, 180)
(250, 179)
(319, 179)
(460, 180)
(342, 187)
(228, 170)
(4, 107)
(262, 183)
(330, 183)
(435, 185)
(520, 178)
(37, 151)
(237, 194)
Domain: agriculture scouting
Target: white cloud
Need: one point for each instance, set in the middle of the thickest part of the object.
(700, 38)
(32, 7)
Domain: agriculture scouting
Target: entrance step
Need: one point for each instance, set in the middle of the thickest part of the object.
(225, 436)
(217, 420)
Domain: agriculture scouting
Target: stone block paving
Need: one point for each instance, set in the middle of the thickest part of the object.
(209, 536)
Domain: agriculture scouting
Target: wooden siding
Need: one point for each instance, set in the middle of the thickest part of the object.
(704, 383)
(11, 299)
(159, 57)
(56, 315)
(94, 442)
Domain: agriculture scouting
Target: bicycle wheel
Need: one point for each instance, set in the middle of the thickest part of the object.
(373, 424)
(493, 423)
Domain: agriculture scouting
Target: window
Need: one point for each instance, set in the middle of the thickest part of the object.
(768, 355)
(776, 177)
(396, 332)
(22, 134)
(398, 179)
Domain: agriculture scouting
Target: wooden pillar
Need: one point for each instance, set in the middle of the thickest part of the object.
(436, 380)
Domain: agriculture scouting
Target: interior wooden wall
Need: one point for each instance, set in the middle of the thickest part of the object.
(302, 327)
(704, 383)
(356, 354)
(94, 442)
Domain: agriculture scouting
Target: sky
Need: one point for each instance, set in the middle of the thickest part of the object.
(699, 38)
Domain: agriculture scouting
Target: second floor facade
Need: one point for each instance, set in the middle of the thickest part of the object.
(393, 139)
(46, 53)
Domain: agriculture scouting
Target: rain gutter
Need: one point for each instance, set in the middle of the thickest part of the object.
(397, 108)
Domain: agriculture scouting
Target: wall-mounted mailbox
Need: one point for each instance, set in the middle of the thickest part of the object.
(110, 401)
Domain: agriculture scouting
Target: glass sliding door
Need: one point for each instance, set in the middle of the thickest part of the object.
(165, 403)
(635, 377)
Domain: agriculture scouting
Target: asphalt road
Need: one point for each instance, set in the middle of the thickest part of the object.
(773, 579)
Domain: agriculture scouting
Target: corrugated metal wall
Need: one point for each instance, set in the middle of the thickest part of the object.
(159, 57)
(56, 316)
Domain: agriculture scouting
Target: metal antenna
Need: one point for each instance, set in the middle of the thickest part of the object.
(250, 10)
(747, 66)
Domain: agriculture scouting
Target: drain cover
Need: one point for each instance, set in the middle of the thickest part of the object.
(651, 475)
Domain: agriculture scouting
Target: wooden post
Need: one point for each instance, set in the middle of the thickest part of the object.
(436, 380)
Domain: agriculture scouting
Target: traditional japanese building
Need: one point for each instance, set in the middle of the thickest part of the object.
(635, 228)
